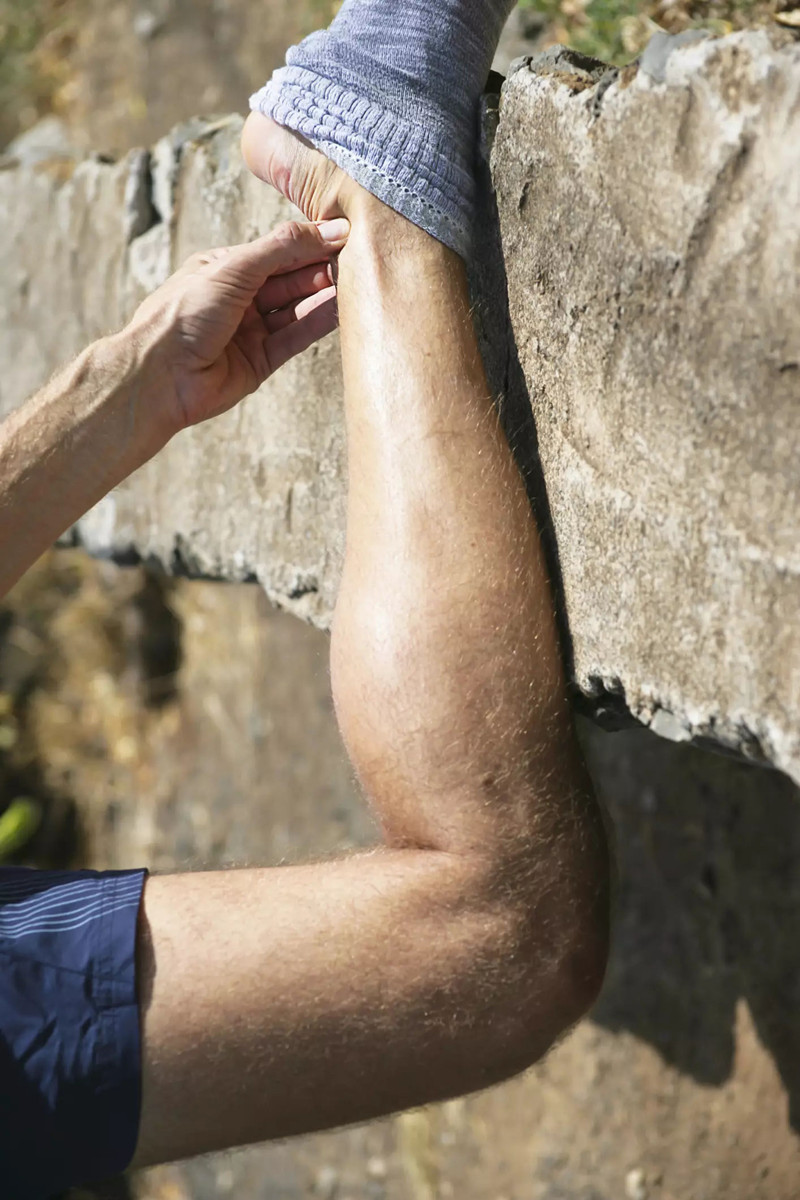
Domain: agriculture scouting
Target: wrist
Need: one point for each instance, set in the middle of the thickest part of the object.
(134, 362)
(93, 424)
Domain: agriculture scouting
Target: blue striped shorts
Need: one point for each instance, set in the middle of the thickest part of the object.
(70, 1070)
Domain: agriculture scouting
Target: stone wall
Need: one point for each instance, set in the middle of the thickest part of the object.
(651, 242)
(652, 235)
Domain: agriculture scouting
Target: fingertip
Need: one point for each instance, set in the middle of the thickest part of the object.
(310, 327)
(296, 243)
(334, 231)
(318, 300)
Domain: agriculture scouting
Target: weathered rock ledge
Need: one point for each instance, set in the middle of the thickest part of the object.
(651, 230)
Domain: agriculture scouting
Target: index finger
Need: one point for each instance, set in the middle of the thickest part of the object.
(280, 289)
(295, 244)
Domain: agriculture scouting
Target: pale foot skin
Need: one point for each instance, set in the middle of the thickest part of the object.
(281, 1001)
(293, 167)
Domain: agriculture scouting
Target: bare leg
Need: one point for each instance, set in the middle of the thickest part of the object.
(281, 1001)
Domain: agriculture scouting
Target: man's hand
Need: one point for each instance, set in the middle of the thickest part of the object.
(213, 333)
(230, 317)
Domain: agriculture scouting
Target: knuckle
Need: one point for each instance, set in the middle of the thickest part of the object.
(195, 261)
(292, 232)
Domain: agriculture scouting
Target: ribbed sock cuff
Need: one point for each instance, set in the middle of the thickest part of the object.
(403, 164)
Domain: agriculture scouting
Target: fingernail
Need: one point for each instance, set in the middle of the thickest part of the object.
(334, 231)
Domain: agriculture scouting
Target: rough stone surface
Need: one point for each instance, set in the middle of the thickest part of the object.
(652, 243)
(652, 247)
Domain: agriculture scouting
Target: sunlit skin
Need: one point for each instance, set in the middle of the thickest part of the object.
(280, 1001)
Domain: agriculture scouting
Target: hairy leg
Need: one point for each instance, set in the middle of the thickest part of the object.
(287, 1000)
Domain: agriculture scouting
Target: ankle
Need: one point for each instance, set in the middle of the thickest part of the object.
(392, 242)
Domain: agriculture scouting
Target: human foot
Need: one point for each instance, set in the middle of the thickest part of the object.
(284, 159)
(321, 190)
(388, 94)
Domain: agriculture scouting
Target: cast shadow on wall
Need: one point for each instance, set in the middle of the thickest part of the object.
(709, 904)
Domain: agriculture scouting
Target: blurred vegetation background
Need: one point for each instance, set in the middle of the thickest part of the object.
(35, 39)
(618, 30)
(72, 58)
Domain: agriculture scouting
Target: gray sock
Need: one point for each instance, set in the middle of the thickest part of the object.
(390, 92)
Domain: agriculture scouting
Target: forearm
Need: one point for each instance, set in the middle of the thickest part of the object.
(68, 446)
(287, 1000)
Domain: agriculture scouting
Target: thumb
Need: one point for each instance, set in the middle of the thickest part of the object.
(295, 244)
